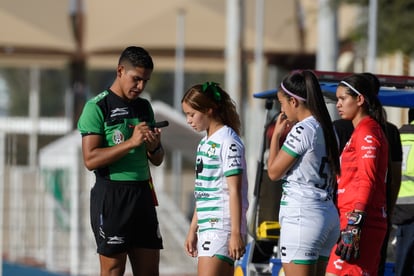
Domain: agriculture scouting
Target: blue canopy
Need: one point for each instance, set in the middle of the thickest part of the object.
(388, 96)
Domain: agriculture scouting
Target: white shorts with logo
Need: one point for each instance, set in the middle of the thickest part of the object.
(308, 233)
(213, 242)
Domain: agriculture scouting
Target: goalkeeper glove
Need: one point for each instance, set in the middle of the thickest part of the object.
(348, 244)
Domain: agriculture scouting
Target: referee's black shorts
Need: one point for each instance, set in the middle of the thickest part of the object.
(123, 216)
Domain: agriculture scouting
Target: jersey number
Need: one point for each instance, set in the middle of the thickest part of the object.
(323, 174)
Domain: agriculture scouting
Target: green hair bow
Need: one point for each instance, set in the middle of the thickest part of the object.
(212, 86)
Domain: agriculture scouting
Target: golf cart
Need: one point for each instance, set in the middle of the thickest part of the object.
(262, 252)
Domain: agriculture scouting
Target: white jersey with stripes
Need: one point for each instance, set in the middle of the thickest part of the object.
(310, 178)
(219, 156)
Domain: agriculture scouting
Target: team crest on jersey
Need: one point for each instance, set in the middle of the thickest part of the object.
(212, 150)
(117, 137)
(213, 221)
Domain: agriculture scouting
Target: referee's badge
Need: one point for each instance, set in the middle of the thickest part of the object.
(118, 137)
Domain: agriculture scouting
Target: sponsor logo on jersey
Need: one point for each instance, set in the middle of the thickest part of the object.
(369, 155)
(235, 160)
(338, 263)
(211, 236)
(299, 129)
(119, 111)
(233, 147)
(294, 136)
(201, 195)
(235, 163)
(368, 139)
(234, 157)
(199, 166)
(370, 150)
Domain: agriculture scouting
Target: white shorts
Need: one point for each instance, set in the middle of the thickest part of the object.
(308, 233)
(214, 243)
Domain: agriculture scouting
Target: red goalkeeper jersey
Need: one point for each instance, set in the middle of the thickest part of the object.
(364, 163)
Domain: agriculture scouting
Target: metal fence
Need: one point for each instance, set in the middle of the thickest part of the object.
(45, 215)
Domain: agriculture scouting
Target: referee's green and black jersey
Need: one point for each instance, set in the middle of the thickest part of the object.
(110, 116)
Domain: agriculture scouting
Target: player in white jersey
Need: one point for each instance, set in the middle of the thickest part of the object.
(308, 161)
(217, 231)
(306, 142)
(218, 157)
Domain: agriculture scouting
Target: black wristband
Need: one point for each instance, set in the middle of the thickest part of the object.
(157, 149)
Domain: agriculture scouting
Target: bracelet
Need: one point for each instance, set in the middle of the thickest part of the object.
(156, 150)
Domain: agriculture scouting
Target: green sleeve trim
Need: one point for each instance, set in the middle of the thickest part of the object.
(233, 172)
(290, 152)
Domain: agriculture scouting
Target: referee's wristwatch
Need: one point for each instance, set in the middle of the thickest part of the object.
(156, 150)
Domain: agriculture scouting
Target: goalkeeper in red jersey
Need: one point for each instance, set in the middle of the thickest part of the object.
(361, 185)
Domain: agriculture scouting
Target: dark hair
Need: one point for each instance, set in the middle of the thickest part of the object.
(202, 97)
(305, 85)
(137, 57)
(375, 82)
(368, 89)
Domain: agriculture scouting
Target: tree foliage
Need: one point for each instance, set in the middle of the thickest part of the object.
(395, 25)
